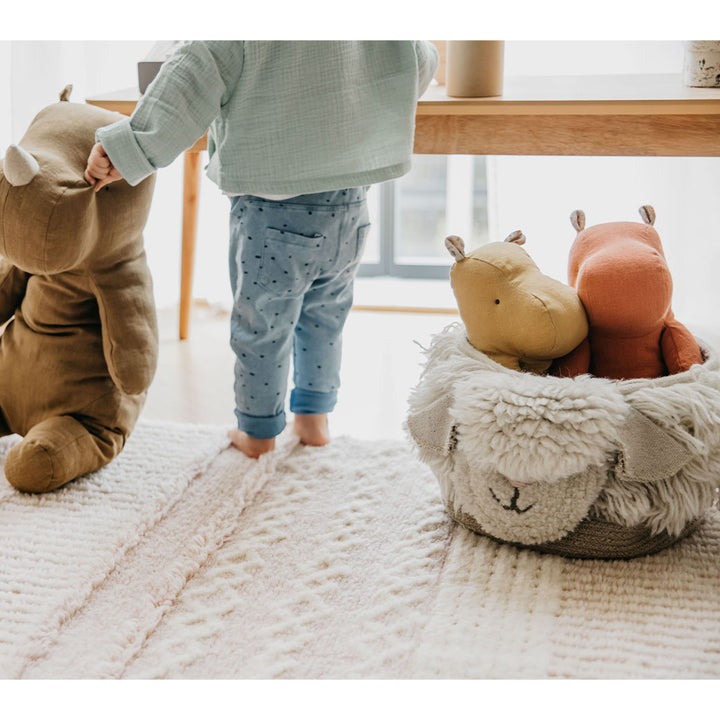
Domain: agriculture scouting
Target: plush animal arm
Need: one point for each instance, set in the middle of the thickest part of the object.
(679, 348)
(129, 325)
(12, 289)
(576, 362)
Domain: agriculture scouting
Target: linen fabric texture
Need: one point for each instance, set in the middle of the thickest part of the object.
(80, 349)
(625, 285)
(521, 318)
(292, 266)
(285, 118)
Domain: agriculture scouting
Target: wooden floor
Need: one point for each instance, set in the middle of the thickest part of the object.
(381, 362)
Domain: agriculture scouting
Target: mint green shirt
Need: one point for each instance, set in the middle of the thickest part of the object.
(285, 117)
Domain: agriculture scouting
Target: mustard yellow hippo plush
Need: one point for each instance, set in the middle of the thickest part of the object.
(80, 348)
(512, 312)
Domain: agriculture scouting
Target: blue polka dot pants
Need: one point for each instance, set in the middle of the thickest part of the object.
(292, 266)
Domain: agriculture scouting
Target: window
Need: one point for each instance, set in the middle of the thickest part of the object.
(440, 196)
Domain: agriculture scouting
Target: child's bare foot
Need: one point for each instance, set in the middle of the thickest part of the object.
(252, 447)
(312, 429)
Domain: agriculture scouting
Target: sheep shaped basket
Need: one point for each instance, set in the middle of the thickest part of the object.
(583, 466)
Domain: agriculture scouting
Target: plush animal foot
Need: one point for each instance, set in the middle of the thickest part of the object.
(56, 451)
(250, 446)
(312, 429)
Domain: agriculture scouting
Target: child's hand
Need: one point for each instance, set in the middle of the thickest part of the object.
(100, 171)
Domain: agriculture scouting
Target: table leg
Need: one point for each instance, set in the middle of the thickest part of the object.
(191, 193)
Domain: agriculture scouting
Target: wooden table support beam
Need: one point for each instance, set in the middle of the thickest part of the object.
(191, 197)
(629, 135)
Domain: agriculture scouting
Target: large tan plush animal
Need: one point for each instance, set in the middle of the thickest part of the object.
(512, 312)
(80, 349)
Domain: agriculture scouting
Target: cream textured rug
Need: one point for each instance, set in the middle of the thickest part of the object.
(183, 559)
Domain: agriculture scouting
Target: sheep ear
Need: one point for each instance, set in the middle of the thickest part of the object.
(65, 94)
(647, 213)
(456, 247)
(432, 428)
(578, 220)
(516, 237)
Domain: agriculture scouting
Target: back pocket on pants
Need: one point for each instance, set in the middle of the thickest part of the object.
(289, 261)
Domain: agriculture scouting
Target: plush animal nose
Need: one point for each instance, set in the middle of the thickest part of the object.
(19, 166)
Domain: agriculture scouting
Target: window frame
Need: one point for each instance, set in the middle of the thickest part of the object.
(388, 225)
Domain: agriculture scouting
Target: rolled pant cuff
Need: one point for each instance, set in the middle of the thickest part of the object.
(261, 428)
(309, 402)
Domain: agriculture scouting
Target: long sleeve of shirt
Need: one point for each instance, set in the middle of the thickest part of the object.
(427, 58)
(184, 99)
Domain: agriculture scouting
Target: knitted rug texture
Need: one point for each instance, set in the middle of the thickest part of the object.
(184, 559)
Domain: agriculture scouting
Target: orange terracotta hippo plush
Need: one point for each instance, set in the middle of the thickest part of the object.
(623, 280)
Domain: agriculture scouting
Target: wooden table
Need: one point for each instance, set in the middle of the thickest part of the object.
(595, 115)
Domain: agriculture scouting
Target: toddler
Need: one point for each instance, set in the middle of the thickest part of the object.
(297, 132)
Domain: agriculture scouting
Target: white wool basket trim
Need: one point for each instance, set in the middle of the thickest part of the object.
(532, 428)
(638, 452)
(687, 407)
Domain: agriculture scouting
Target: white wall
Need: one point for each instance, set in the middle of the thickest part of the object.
(592, 57)
(40, 70)
(5, 117)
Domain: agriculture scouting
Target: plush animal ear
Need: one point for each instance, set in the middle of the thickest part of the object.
(516, 237)
(19, 166)
(578, 220)
(432, 428)
(65, 94)
(456, 247)
(647, 213)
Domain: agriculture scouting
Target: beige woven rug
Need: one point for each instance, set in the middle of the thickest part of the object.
(183, 559)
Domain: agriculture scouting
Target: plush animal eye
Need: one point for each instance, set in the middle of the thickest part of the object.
(497, 302)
